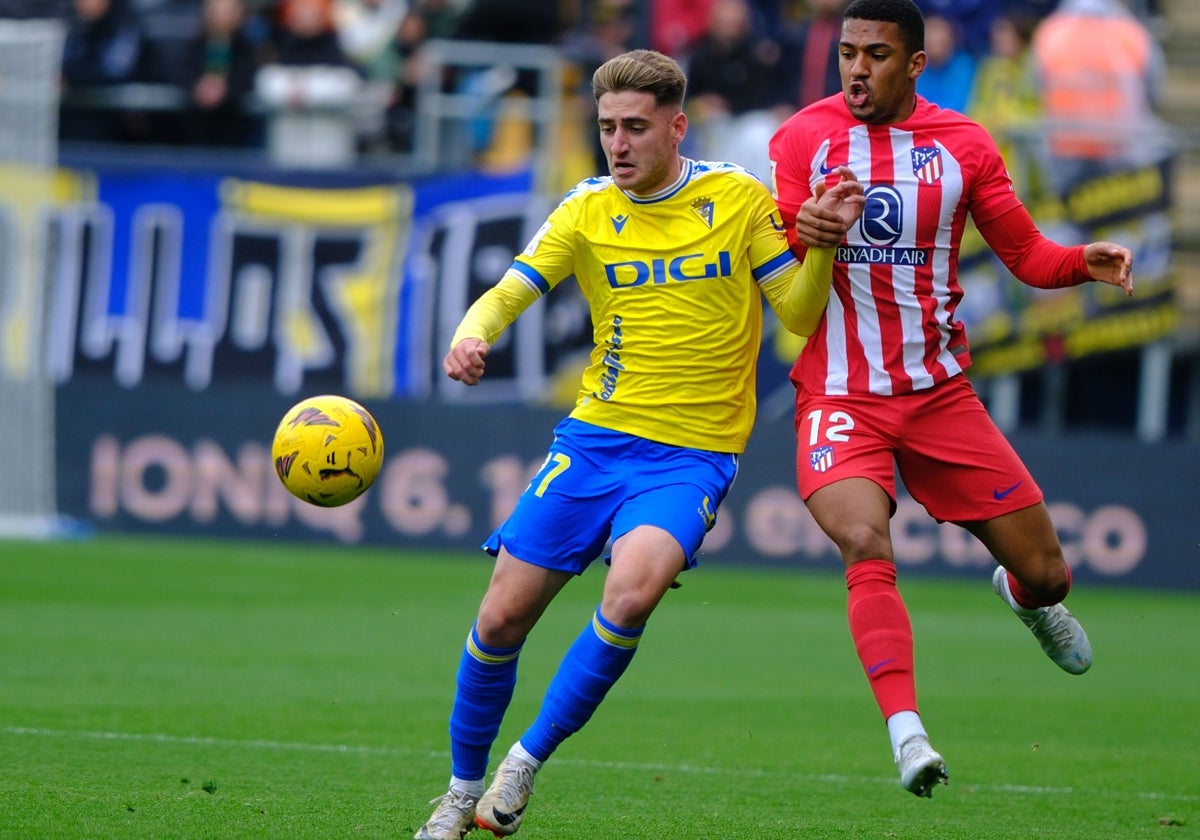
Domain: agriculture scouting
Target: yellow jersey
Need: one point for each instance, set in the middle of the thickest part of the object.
(673, 282)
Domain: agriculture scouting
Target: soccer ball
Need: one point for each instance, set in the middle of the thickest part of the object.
(327, 450)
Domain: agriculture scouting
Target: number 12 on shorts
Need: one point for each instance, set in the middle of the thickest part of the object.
(833, 430)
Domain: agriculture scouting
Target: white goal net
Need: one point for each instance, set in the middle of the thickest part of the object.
(30, 60)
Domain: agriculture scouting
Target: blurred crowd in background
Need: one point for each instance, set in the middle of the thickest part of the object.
(220, 68)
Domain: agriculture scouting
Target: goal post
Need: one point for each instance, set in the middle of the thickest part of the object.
(30, 62)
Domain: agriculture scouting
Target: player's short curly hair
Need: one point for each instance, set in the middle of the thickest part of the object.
(642, 70)
(903, 13)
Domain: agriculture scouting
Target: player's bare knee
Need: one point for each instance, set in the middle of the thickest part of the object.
(498, 626)
(630, 608)
(863, 541)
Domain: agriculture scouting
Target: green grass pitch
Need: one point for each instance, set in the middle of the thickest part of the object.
(154, 688)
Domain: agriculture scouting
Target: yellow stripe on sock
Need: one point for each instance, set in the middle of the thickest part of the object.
(489, 658)
(614, 639)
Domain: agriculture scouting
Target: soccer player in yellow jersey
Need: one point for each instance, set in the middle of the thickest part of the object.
(672, 255)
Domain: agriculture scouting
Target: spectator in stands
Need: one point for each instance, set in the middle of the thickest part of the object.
(494, 138)
(310, 87)
(810, 61)
(439, 18)
(104, 47)
(972, 19)
(217, 70)
(425, 20)
(677, 24)
(949, 67)
(104, 43)
(605, 31)
(768, 15)
(737, 100)
(1004, 99)
(1099, 71)
(367, 31)
(306, 35)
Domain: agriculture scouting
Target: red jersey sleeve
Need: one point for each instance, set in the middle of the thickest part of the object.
(1010, 231)
(992, 193)
(1031, 257)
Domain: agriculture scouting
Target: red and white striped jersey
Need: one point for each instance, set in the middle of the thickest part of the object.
(890, 327)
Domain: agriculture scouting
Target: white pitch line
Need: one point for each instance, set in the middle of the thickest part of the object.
(645, 767)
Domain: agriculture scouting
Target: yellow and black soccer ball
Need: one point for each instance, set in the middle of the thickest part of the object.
(327, 450)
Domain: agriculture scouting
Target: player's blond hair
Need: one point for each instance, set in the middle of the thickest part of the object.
(642, 70)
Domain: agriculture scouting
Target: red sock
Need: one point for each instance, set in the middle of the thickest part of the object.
(882, 634)
(1027, 599)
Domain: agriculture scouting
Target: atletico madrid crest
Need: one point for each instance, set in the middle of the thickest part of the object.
(821, 459)
(927, 163)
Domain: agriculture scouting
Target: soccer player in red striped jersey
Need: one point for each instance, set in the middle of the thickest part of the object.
(881, 385)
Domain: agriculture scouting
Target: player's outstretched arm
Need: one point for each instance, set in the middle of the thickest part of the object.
(482, 325)
(465, 361)
(1039, 262)
(1110, 263)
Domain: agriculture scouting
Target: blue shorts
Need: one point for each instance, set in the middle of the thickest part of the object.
(598, 484)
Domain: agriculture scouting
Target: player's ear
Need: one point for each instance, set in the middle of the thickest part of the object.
(916, 64)
(679, 127)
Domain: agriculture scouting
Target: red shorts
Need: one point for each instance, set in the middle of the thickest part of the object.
(950, 455)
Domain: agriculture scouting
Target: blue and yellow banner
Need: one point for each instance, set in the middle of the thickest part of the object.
(199, 275)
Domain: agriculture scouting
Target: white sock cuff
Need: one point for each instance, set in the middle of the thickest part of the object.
(902, 726)
(471, 787)
(519, 752)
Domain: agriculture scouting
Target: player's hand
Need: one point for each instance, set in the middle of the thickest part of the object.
(464, 362)
(845, 198)
(823, 224)
(1110, 263)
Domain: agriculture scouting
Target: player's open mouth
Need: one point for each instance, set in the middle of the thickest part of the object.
(858, 95)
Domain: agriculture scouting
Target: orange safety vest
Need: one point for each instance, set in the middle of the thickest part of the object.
(1093, 76)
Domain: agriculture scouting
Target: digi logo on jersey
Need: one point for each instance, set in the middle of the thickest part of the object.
(681, 269)
(881, 226)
